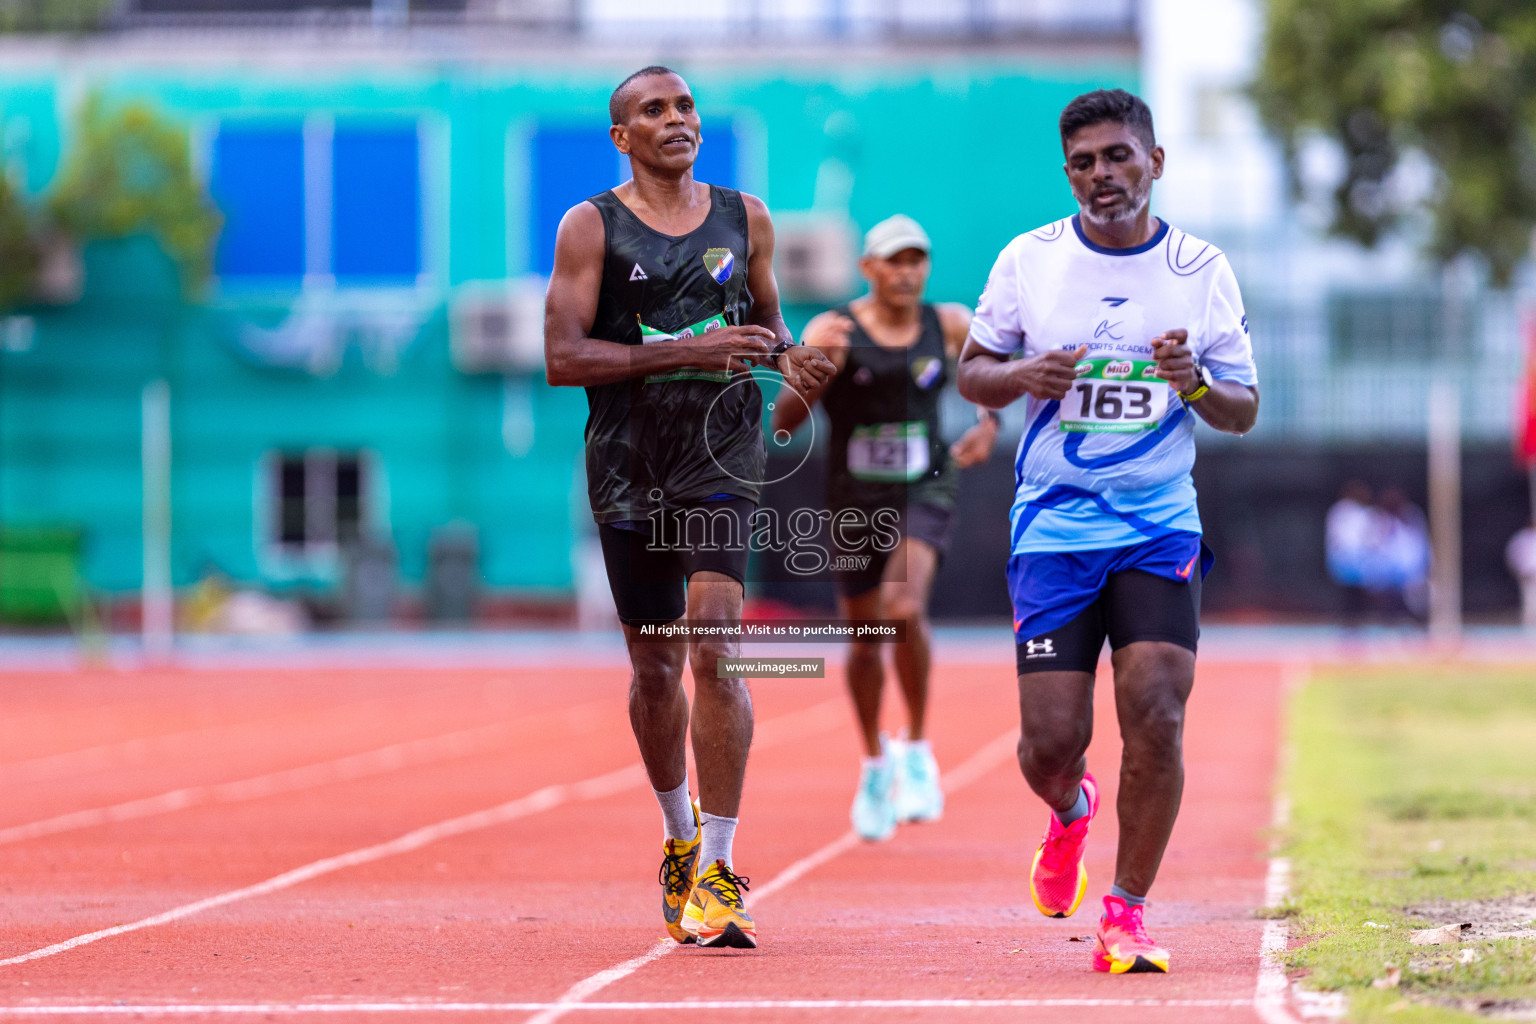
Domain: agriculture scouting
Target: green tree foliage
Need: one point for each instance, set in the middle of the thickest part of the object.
(53, 15)
(129, 172)
(19, 255)
(1454, 79)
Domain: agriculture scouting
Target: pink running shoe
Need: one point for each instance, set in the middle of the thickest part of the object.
(1057, 878)
(1123, 946)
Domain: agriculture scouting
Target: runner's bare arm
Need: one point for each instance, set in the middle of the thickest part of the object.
(993, 381)
(805, 368)
(1228, 406)
(975, 445)
(573, 358)
(828, 333)
(955, 319)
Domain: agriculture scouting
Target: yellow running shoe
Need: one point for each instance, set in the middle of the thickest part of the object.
(715, 914)
(678, 866)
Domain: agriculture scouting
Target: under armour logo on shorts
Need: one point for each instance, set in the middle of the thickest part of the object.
(1039, 648)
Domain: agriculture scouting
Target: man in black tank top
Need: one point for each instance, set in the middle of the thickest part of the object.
(891, 488)
(662, 297)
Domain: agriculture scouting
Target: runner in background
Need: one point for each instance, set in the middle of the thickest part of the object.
(891, 488)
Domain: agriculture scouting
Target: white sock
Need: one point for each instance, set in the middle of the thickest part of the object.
(677, 812)
(718, 835)
(875, 763)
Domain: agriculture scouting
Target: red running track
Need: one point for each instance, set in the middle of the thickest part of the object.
(480, 844)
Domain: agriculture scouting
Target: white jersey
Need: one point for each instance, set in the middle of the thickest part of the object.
(1108, 466)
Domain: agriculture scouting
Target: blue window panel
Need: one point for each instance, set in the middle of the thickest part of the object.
(376, 202)
(258, 184)
(567, 165)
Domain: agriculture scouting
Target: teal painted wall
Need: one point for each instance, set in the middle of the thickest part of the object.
(965, 145)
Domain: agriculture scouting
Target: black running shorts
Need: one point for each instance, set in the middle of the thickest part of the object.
(1133, 606)
(649, 577)
(932, 524)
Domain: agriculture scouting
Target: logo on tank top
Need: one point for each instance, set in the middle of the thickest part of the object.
(637, 274)
(926, 371)
(863, 376)
(720, 263)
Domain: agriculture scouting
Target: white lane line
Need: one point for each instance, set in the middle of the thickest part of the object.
(382, 761)
(141, 750)
(1269, 992)
(972, 769)
(820, 716)
(183, 1009)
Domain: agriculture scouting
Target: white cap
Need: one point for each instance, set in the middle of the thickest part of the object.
(894, 234)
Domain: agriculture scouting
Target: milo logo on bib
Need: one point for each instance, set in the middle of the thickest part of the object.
(1115, 396)
(651, 334)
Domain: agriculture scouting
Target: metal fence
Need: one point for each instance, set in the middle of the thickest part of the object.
(682, 20)
(1320, 386)
(1321, 382)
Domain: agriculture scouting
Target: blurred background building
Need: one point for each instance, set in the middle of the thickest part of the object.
(356, 410)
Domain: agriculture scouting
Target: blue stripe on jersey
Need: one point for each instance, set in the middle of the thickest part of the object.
(1061, 495)
(1074, 444)
(1047, 412)
(1071, 517)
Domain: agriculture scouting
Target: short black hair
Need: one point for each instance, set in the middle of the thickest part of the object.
(1102, 105)
(616, 101)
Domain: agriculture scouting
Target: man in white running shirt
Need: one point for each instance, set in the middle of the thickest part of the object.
(1117, 330)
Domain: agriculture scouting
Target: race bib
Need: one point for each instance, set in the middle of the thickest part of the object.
(1115, 396)
(650, 334)
(889, 452)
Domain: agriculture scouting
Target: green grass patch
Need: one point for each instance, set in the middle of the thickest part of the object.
(1413, 788)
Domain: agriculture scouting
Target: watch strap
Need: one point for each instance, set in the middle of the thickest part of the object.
(1204, 376)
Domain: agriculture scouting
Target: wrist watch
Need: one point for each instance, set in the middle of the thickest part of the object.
(779, 349)
(1206, 381)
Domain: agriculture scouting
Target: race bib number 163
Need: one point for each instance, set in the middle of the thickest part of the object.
(1115, 396)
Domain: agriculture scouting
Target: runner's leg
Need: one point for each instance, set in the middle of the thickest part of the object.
(722, 708)
(1056, 715)
(1153, 680)
(866, 672)
(904, 593)
(658, 708)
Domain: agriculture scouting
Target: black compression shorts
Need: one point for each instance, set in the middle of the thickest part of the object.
(648, 578)
(932, 524)
(1133, 606)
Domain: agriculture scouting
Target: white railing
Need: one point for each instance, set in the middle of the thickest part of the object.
(704, 20)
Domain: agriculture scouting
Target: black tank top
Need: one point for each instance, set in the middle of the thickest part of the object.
(887, 447)
(672, 439)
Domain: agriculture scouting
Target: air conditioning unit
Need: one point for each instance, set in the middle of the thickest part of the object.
(498, 327)
(814, 256)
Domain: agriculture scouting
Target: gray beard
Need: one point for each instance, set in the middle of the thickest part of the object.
(1139, 199)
